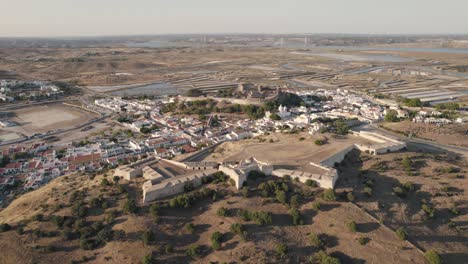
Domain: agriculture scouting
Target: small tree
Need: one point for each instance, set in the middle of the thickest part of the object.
(147, 237)
(433, 257)
(391, 116)
(129, 206)
(147, 259)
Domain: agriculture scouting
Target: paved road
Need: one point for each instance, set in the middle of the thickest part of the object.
(458, 149)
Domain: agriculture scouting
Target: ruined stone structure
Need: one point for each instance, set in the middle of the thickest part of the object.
(134, 169)
(168, 177)
(240, 171)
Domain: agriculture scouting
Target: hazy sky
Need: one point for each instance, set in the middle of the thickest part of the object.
(123, 17)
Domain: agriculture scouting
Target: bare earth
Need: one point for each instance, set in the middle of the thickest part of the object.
(452, 134)
(40, 119)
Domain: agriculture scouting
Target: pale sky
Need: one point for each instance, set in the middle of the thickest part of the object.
(133, 17)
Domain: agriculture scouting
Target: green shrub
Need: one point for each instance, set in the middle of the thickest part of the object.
(429, 210)
(408, 186)
(350, 196)
(87, 244)
(323, 258)
(281, 196)
(363, 240)
(38, 217)
(194, 251)
(147, 237)
(154, 211)
(398, 191)
(168, 248)
(281, 249)
(433, 257)
(296, 217)
(222, 212)
(368, 191)
(239, 230)
(105, 182)
(5, 227)
(352, 226)
(295, 200)
(189, 227)
(129, 207)
(407, 163)
(316, 206)
(315, 241)
(454, 210)
(245, 192)
(147, 259)
(311, 183)
(319, 142)
(216, 240)
(401, 233)
(329, 195)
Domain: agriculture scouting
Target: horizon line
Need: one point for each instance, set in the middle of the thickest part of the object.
(228, 33)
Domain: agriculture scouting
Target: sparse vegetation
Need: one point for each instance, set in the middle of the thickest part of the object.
(323, 258)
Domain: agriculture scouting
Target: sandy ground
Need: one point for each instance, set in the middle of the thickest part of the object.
(286, 151)
(40, 119)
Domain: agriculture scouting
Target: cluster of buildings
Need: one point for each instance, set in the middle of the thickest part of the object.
(430, 117)
(11, 90)
(37, 164)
